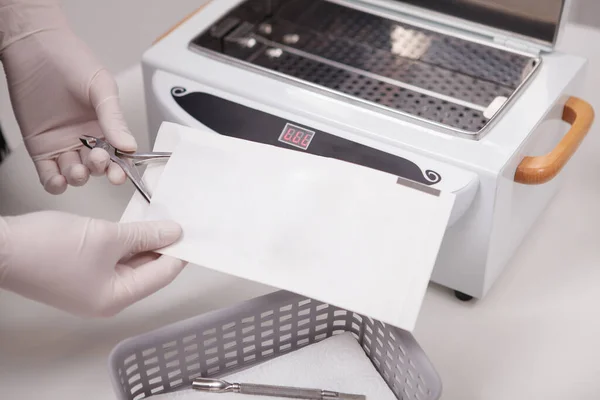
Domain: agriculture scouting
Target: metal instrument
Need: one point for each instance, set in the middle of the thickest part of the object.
(127, 161)
(221, 386)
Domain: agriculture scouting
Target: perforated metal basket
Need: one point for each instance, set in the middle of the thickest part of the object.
(229, 340)
(374, 60)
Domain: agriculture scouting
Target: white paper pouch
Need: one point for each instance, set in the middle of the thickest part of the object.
(326, 229)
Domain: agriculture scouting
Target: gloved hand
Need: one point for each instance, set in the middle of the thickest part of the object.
(59, 91)
(85, 266)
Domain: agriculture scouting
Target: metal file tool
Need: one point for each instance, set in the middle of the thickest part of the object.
(221, 386)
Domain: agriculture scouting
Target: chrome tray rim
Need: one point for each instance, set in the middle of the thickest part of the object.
(331, 93)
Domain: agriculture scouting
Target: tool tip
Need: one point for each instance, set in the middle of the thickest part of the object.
(88, 141)
(211, 385)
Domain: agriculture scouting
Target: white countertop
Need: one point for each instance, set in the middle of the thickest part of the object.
(535, 336)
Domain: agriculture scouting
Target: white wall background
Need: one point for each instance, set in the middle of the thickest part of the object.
(120, 30)
(586, 12)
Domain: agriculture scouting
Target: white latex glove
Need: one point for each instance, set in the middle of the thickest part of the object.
(85, 266)
(59, 91)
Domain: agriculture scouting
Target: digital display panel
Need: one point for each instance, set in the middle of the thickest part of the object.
(296, 136)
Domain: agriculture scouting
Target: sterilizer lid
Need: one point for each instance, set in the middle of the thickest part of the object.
(537, 21)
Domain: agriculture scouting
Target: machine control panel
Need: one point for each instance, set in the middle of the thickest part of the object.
(236, 120)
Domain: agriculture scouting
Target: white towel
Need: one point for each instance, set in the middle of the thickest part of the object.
(337, 364)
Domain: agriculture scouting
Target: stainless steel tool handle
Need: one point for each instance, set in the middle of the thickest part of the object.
(281, 391)
(220, 386)
(144, 158)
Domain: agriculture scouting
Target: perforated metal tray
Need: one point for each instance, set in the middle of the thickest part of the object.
(229, 340)
(373, 60)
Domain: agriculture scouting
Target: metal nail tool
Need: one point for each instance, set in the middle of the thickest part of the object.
(127, 161)
(221, 386)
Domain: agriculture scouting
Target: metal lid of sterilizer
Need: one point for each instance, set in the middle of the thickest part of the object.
(534, 21)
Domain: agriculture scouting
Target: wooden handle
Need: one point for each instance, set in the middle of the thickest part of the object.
(177, 25)
(537, 170)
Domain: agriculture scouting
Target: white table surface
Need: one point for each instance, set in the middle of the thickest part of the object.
(535, 336)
